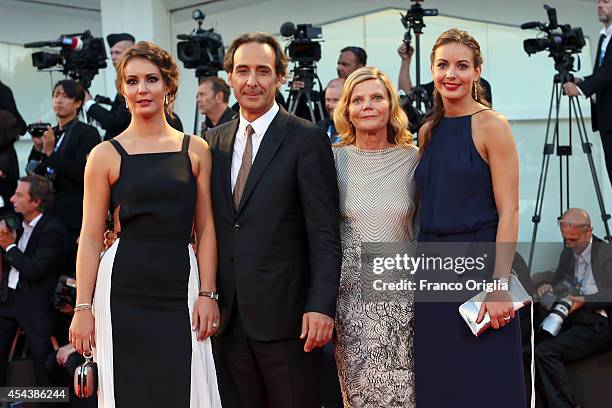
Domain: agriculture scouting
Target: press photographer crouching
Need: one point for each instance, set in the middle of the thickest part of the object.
(60, 154)
(32, 258)
(578, 323)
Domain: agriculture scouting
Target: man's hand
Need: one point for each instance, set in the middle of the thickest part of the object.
(63, 353)
(7, 237)
(578, 302)
(547, 287)
(405, 52)
(317, 329)
(297, 84)
(48, 141)
(571, 89)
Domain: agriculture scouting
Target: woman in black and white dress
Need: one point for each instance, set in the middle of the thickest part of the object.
(151, 327)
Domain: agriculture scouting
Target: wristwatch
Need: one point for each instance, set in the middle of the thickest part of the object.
(212, 295)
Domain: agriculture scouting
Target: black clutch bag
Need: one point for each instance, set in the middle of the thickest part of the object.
(86, 378)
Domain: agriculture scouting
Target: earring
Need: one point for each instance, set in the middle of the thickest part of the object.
(475, 91)
(127, 106)
(166, 99)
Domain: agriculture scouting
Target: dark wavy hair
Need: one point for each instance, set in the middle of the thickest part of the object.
(158, 56)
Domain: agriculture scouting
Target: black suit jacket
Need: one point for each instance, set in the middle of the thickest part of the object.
(115, 120)
(600, 84)
(279, 253)
(69, 166)
(39, 266)
(7, 103)
(601, 264)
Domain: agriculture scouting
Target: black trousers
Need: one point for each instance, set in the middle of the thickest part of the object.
(576, 342)
(606, 143)
(256, 374)
(37, 326)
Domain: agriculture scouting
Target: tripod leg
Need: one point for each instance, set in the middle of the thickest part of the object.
(309, 104)
(586, 148)
(549, 149)
(294, 100)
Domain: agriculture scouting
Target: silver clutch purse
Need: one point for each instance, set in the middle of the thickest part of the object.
(469, 310)
(86, 378)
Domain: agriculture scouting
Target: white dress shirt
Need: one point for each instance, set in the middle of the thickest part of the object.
(260, 126)
(13, 278)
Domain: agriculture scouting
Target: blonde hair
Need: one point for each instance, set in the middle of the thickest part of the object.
(397, 127)
(478, 92)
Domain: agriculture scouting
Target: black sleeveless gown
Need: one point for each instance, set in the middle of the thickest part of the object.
(147, 284)
(452, 367)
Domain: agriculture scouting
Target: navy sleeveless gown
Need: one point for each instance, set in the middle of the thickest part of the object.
(454, 368)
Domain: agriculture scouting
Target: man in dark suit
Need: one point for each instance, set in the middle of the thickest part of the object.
(118, 118)
(598, 86)
(587, 330)
(60, 156)
(31, 266)
(275, 201)
(7, 103)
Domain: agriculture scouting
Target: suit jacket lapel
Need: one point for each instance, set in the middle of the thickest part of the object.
(267, 149)
(226, 146)
(35, 233)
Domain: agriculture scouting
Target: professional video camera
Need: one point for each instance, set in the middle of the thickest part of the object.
(201, 49)
(64, 297)
(11, 221)
(81, 56)
(561, 40)
(305, 51)
(558, 302)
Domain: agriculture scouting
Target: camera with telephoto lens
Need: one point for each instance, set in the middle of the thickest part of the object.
(38, 129)
(81, 56)
(559, 304)
(561, 41)
(201, 50)
(64, 297)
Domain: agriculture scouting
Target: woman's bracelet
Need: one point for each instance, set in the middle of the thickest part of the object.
(82, 306)
(212, 295)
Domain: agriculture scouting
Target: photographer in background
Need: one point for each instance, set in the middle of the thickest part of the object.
(60, 156)
(9, 165)
(32, 255)
(598, 86)
(7, 103)
(350, 60)
(586, 262)
(333, 92)
(213, 97)
(117, 119)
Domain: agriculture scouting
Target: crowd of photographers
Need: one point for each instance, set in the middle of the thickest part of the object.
(39, 246)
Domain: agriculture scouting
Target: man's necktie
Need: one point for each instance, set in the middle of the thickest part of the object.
(601, 52)
(245, 166)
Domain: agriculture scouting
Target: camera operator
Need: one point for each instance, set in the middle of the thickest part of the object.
(350, 60)
(586, 261)
(60, 156)
(405, 83)
(598, 86)
(31, 261)
(7, 103)
(332, 93)
(213, 97)
(117, 119)
(9, 165)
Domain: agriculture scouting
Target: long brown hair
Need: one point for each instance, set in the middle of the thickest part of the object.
(397, 128)
(478, 93)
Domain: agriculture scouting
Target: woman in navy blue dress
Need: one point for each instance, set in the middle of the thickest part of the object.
(467, 181)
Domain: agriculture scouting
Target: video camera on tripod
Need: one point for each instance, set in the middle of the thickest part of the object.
(201, 49)
(305, 51)
(560, 40)
(412, 21)
(81, 56)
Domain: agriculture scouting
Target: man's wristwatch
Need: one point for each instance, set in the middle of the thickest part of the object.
(212, 295)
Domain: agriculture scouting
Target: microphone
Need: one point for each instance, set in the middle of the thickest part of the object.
(530, 24)
(74, 43)
(287, 29)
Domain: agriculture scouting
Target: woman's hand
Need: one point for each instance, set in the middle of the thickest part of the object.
(82, 332)
(500, 308)
(206, 317)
